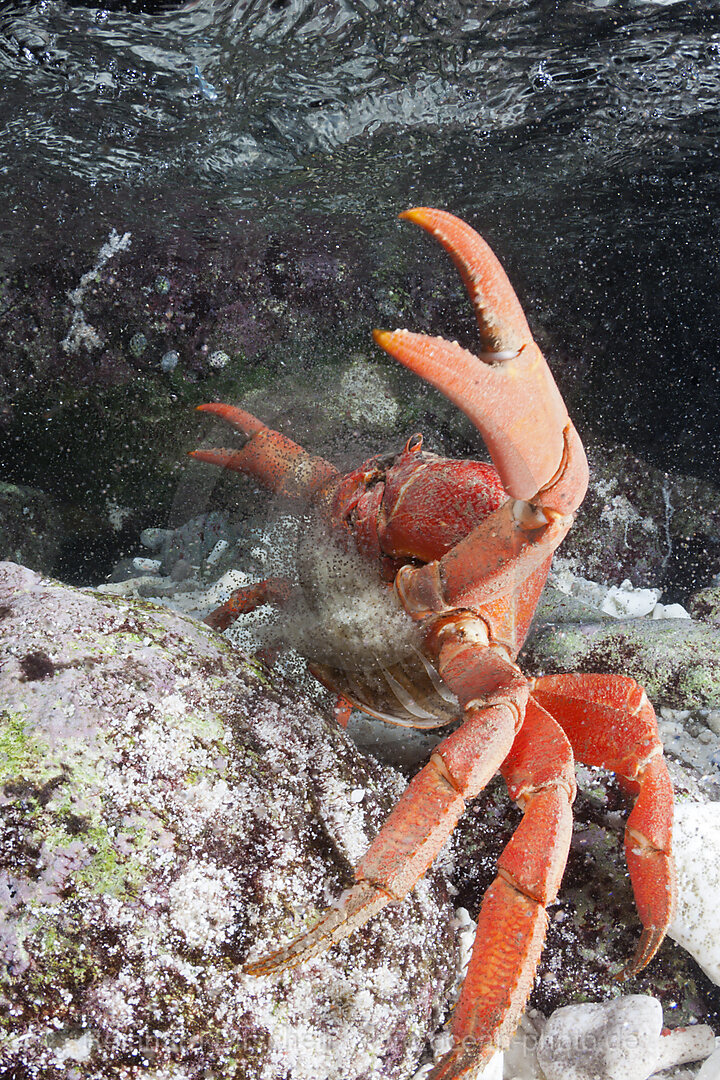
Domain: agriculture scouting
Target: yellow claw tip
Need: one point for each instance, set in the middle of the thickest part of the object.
(382, 337)
(420, 215)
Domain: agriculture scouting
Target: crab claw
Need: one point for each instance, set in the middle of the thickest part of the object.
(274, 460)
(507, 391)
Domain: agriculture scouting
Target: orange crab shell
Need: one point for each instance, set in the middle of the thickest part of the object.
(467, 548)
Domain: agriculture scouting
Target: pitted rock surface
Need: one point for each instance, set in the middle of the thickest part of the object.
(165, 812)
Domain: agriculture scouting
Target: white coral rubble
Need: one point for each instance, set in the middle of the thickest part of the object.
(696, 843)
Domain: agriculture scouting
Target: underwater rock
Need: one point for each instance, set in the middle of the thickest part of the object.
(676, 660)
(166, 810)
(570, 1028)
(30, 527)
(192, 542)
(711, 1068)
(696, 843)
(705, 605)
(615, 1040)
(149, 326)
(642, 523)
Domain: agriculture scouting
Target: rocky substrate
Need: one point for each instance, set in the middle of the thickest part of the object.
(167, 810)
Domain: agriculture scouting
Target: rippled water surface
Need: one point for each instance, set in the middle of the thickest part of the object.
(314, 99)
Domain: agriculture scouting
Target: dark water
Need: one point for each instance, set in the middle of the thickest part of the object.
(580, 137)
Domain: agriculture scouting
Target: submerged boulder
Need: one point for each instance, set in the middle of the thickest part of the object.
(676, 660)
(166, 811)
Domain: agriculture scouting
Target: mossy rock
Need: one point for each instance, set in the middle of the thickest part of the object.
(167, 811)
(676, 660)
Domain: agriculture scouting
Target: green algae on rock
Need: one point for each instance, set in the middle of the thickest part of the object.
(676, 660)
(164, 811)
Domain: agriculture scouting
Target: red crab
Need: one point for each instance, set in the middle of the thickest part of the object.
(465, 549)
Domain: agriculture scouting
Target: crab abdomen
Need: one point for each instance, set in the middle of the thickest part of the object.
(408, 692)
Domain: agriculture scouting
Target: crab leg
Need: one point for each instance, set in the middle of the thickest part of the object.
(611, 723)
(433, 802)
(343, 710)
(512, 920)
(274, 460)
(275, 591)
(538, 769)
(408, 842)
(500, 554)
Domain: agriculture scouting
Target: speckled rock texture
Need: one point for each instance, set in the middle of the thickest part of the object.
(697, 854)
(164, 812)
(617, 1040)
(705, 605)
(676, 660)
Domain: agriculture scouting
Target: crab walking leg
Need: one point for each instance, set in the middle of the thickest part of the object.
(343, 710)
(274, 460)
(512, 920)
(274, 590)
(611, 723)
(433, 802)
(508, 391)
(408, 842)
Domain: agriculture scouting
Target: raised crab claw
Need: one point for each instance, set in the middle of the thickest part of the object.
(464, 549)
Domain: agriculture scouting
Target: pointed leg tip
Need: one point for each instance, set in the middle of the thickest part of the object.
(281, 960)
(218, 408)
(406, 347)
(383, 338)
(650, 941)
(242, 421)
(300, 949)
(266, 965)
(429, 218)
(417, 214)
(218, 457)
(351, 911)
(208, 457)
(464, 1060)
(448, 228)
